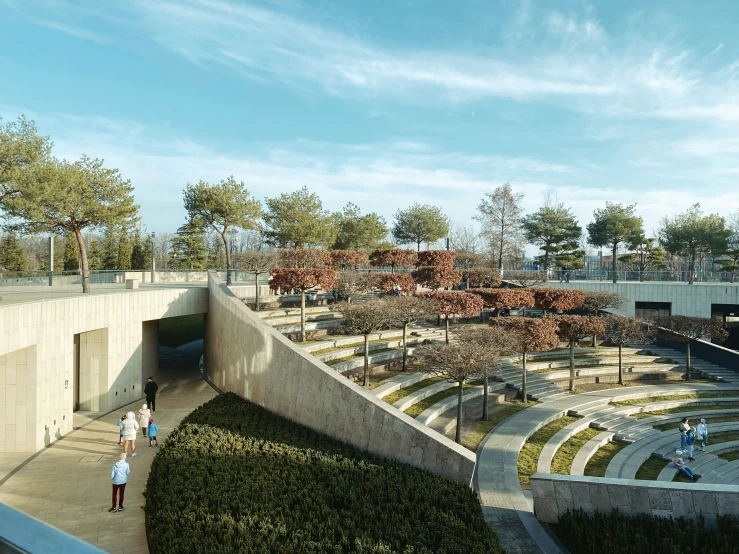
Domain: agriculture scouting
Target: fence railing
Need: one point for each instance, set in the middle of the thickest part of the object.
(622, 275)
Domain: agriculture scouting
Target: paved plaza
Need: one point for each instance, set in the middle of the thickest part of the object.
(68, 486)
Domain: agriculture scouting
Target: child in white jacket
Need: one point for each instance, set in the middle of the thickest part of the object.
(702, 434)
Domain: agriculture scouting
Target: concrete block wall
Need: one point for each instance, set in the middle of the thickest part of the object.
(692, 300)
(46, 330)
(553, 495)
(17, 399)
(246, 356)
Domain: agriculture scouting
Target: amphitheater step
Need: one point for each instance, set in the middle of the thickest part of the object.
(588, 450)
(415, 397)
(397, 382)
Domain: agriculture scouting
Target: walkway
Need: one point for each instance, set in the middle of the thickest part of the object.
(506, 506)
(68, 485)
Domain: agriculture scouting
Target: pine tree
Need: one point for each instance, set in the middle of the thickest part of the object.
(12, 255)
(189, 249)
(125, 251)
(96, 255)
(109, 249)
(137, 251)
(71, 257)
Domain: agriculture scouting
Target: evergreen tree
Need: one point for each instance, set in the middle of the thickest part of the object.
(12, 255)
(189, 249)
(554, 229)
(109, 249)
(140, 254)
(71, 257)
(96, 255)
(125, 250)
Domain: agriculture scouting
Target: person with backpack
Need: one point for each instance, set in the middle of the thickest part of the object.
(683, 428)
(690, 442)
(702, 434)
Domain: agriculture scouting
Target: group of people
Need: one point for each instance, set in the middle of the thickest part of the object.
(127, 434)
(688, 437)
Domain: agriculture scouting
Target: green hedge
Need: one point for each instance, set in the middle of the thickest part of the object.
(234, 477)
(621, 534)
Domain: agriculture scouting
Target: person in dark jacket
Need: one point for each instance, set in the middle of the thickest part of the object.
(150, 390)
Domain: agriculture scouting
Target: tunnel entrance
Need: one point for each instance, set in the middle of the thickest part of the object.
(180, 345)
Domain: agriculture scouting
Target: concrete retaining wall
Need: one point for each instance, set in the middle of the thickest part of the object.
(555, 494)
(246, 356)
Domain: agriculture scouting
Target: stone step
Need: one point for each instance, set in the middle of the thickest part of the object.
(717, 474)
(415, 397)
(588, 451)
(546, 456)
(731, 475)
(398, 382)
(496, 390)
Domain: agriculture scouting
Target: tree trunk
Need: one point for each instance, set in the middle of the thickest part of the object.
(546, 257)
(458, 434)
(256, 291)
(302, 315)
(366, 360)
(595, 337)
(613, 263)
(687, 360)
(485, 396)
(228, 257)
(572, 365)
(446, 325)
(620, 364)
(405, 347)
(419, 245)
(523, 379)
(83, 261)
(691, 269)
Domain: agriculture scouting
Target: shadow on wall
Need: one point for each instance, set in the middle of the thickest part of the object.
(247, 356)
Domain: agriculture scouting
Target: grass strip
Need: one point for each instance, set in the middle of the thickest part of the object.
(562, 461)
(689, 396)
(350, 345)
(597, 465)
(682, 409)
(730, 456)
(360, 356)
(529, 455)
(393, 397)
(472, 438)
(651, 468)
(307, 315)
(419, 407)
(673, 424)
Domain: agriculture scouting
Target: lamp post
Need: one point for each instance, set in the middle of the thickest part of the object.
(153, 258)
(51, 260)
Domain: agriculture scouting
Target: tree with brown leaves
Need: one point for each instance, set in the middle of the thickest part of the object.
(524, 278)
(365, 319)
(302, 279)
(343, 259)
(685, 329)
(305, 258)
(529, 335)
(389, 282)
(406, 310)
(454, 304)
(558, 299)
(620, 331)
(392, 258)
(505, 299)
(435, 269)
(573, 328)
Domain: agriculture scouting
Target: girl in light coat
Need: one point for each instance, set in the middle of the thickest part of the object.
(130, 427)
(144, 416)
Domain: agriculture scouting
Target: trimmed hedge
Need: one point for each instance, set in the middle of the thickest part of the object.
(615, 533)
(234, 477)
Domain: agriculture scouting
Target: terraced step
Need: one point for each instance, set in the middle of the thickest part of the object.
(309, 326)
(544, 463)
(443, 406)
(589, 362)
(374, 359)
(415, 397)
(398, 382)
(588, 451)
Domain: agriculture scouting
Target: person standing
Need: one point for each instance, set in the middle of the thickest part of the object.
(130, 428)
(690, 442)
(153, 428)
(144, 416)
(150, 390)
(119, 476)
(683, 427)
(702, 434)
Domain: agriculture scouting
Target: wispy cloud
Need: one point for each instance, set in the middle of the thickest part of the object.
(72, 30)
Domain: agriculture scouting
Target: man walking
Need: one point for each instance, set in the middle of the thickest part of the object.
(150, 390)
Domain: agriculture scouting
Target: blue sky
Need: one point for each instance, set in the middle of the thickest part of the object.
(389, 102)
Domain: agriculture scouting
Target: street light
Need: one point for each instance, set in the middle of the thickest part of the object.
(153, 258)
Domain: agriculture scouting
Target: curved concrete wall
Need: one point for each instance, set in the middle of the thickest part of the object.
(38, 350)
(246, 356)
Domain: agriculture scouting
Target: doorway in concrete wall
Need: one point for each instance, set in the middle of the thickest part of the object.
(89, 396)
(180, 345)
(76, 374)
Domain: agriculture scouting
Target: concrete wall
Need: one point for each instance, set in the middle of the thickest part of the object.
(555, 494)
(246, 356)
(691, 300)
(149, 349)
(93, 370)
(44, 331)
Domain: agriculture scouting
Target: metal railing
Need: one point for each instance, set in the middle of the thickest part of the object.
(623, 275)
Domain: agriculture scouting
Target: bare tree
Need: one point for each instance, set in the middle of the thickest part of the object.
(599, 300)
(525, 279)
(406, 310)
(466, 242)
(467, 357)
(365, 319)
(353, 283)
(257, 263)
(685, 329)
(621, 330)
(573, 328)
(500, 216)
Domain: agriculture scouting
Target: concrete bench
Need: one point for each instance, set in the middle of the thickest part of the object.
(442, 406)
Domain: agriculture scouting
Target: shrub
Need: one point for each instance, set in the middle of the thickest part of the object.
(615, 533)
(233, 477)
